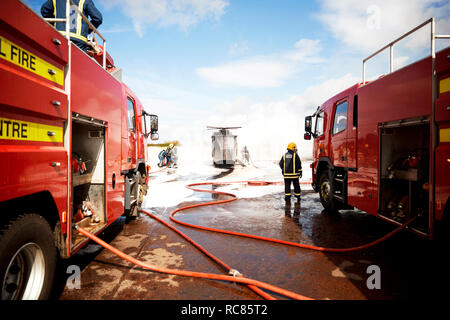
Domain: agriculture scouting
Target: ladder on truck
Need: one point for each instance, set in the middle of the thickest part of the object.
(433, 37)
(67, 89)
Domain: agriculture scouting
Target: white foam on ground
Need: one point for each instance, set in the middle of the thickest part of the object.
(168, 188)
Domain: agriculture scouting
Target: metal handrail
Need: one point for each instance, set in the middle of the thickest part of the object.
(66, 20)
(55, 19)
(391, 45)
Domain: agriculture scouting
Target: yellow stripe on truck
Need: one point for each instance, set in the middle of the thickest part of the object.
(444, 135)
(11, 129)
(444, 85)
(15, 54)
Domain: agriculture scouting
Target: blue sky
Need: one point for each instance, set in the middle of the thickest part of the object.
(256, 63)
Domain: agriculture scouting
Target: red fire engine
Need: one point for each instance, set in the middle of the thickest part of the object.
(384, 146)
(72, 148)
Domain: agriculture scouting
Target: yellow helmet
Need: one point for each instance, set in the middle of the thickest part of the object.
(292, 146)
(171, 145)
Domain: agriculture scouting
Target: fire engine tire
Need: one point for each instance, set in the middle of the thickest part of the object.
(137, 192)
(330, 204)
(142, 182)
(27, 258)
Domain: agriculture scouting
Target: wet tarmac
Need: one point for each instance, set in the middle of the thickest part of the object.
(409, 267)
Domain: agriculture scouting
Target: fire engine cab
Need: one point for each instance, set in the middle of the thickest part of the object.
(72, 147)
(384, 146)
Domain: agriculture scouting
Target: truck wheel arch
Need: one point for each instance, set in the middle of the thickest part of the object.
(41, 203)
(323, 165)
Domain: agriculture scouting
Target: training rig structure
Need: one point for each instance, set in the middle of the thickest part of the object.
(224, 146)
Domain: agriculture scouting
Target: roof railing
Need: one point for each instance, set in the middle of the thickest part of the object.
(433, 38)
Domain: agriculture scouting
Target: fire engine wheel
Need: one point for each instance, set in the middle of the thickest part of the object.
(326, 194)
(144, 187)
(27, 258)
(138, 192)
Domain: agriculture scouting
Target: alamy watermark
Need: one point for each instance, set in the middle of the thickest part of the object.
(374, 280)
(74, 279)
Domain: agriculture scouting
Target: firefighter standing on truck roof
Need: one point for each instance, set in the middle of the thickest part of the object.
(79, 29)
(291, 167)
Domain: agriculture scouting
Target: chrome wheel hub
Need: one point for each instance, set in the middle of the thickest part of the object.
(24, 277)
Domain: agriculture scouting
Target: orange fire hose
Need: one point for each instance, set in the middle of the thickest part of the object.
(234, 198)
(210, 255)
(163, 168)
(194, 274)
(255, 285)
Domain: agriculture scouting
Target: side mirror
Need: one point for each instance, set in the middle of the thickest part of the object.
(153, 123)
(307, 136)
(308, 124)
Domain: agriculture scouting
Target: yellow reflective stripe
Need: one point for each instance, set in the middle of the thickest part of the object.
(79, 18)
(444, 135)
(15, 54)
(77, 33)
(54, 8)
(284, 163)
(11, 129)
(293, 159)
(74, 35)
(444, 85)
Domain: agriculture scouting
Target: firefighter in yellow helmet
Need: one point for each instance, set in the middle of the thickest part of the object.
(291, 167)
(169, 155)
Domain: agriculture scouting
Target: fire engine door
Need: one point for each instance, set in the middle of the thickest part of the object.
(132, 136)
(339, 132)
(352, 131)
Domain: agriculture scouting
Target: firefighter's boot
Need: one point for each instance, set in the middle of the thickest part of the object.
(287, 208)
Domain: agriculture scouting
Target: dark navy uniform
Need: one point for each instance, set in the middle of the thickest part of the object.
(291, 167)
(79, 29)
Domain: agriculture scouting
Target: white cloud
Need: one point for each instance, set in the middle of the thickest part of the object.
(238, 48)
(400, 61)
(252, 73)
(306, 50)
(267, 127)
(318, 94)
(176, 119)
(117, 29)
(181, 13)
(264, 71)
(368, 25)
